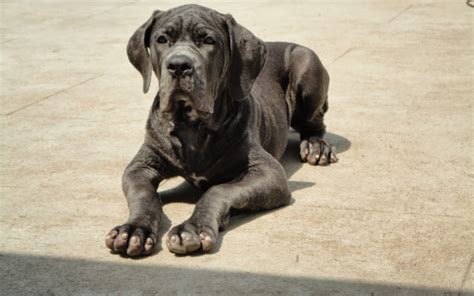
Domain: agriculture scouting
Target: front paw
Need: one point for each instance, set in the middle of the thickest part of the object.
(316, 151)
(131, 240)
(189, 237)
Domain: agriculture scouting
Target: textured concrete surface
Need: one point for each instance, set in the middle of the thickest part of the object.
(394, 216)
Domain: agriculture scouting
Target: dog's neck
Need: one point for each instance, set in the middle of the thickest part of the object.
(229, 114)
(197, 143)
(212, 138)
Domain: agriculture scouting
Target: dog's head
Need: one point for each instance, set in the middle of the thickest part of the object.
(197, 54)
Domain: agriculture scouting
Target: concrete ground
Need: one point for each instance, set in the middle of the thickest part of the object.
(394, 216)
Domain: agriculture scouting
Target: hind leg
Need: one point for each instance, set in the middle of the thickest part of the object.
(307, 95)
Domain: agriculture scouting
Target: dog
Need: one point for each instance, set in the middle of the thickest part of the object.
(220, 120)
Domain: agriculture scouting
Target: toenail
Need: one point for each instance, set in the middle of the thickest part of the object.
(149, 241)
(134, 239)
(124, 235)
(173, 238)
(185, 236)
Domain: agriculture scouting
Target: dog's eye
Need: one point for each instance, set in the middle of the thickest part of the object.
(162, 39)
(209, 40)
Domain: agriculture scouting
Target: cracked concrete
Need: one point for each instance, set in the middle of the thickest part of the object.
(393, 217)
(399, 14)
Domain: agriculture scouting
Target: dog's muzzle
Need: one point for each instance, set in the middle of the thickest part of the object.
(183, 83)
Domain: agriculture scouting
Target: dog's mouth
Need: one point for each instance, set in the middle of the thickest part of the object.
(184, 99)
(180, 108)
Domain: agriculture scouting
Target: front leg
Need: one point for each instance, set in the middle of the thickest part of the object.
(139, 235)
(262, 186)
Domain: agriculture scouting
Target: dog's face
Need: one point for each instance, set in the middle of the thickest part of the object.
(189, 54)
(196, 54)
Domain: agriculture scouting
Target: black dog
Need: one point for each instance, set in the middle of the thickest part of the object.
(220, 120)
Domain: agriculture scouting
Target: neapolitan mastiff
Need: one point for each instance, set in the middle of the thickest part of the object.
(220, 120)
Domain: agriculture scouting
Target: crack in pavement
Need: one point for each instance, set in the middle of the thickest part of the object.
(51, 95)
(399, 14)
(342, 55)
(389, 21)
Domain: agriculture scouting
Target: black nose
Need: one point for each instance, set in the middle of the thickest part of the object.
(180, 65)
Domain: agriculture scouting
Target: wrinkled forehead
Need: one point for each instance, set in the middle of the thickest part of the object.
(190, 19)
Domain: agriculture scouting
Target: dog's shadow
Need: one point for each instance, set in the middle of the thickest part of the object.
(186, 193)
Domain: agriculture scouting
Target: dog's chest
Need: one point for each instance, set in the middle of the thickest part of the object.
(195, 153)
(200, 156)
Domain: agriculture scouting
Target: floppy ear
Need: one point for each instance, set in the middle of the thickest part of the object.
(247, 57)
(137, 50)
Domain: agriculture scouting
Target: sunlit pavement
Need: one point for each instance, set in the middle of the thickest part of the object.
(394, 216)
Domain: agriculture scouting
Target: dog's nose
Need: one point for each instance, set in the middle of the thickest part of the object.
(180, 65)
